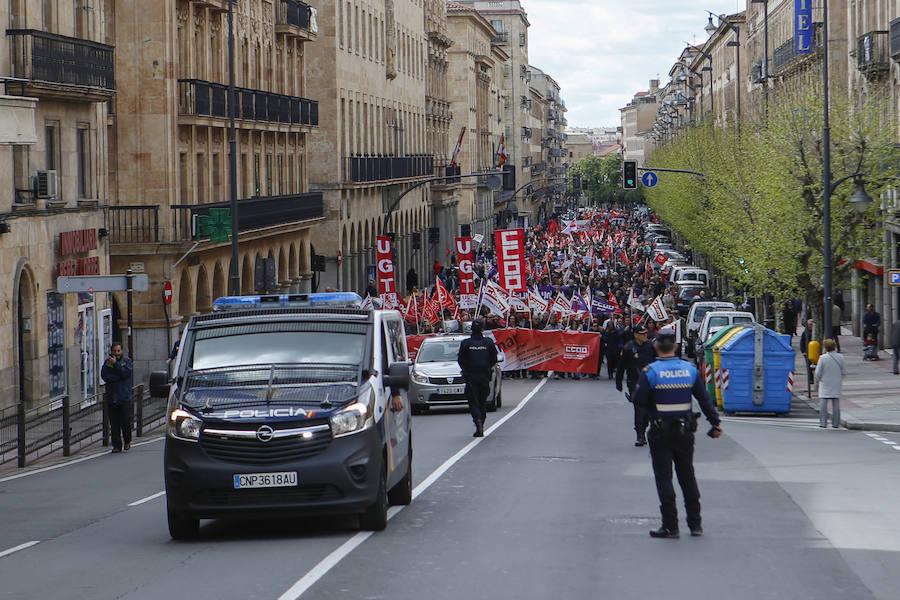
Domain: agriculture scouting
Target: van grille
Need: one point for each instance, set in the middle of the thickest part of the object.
(267, 497)
(255, 452)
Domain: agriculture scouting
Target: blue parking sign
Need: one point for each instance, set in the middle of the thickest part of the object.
(894, 277)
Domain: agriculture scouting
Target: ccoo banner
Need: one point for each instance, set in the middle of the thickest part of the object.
(509, 244)
(803, 27)
(387, 287)
(467, 296)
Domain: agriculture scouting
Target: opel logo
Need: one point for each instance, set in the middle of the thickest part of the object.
(265, 433)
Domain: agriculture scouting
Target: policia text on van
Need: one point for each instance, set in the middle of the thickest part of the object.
(281, 406)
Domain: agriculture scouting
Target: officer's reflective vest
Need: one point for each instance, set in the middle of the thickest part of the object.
(671, 382)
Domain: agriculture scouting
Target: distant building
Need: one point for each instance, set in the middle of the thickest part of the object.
(579, 146)
(638, 117)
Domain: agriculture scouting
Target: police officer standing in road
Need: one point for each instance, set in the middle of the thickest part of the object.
(664, 390)
(637, 354)
(477, 357)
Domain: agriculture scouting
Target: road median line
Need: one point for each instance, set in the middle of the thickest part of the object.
(342, 551)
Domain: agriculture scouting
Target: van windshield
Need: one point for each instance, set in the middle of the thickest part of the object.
(718, 322)
(279, 343)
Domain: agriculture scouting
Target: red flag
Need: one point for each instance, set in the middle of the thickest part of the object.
(614, 302)
(443, 297)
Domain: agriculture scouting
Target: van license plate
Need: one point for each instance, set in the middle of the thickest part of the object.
(456, 389)
(265, 480)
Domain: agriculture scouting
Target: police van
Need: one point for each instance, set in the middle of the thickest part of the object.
(281, 406)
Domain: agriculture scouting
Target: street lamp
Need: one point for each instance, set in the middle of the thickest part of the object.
(736, 44)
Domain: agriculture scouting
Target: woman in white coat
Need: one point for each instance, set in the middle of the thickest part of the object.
(829, 376)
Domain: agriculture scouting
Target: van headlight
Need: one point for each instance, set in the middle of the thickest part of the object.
(418, 377)
(355, 418)
(183, 425)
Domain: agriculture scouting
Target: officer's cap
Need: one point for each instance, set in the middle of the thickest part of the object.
(639, 329)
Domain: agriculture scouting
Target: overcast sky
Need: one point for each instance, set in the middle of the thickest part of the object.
(603, 51)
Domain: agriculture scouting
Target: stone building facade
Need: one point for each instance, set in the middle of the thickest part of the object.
(368, 71)
(170, 155)
(476, 72)
(53, 150)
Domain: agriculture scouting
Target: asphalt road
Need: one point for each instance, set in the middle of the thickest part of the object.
(554, 502)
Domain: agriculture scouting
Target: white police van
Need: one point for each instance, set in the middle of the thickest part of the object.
(281, 406)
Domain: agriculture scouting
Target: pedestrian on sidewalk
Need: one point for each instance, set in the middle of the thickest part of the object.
(836, 325)
(117, 373)
(829, 376)
(805, 338)
(871, 321)
(895, 343)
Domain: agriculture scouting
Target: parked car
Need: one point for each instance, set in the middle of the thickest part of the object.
(436, 379)
(715, 320)
(695, 315)
(689, 273)
(685, 296)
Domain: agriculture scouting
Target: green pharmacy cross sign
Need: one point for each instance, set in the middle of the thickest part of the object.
(217, 225)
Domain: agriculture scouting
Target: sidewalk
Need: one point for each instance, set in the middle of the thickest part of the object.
(871, 392)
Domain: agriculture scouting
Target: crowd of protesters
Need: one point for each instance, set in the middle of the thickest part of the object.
(595, 261)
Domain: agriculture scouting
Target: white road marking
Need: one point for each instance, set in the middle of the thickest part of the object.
(333, 559)
(73, 462)
(19, 547)
(147, 499)
(802, 423)
(888, 442)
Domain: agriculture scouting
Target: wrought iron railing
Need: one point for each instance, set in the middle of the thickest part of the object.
(785, 56)
(365, 169)
(66, 425)
(253, 213)
(49, 57)
(873, 52)
(500, 39)
(294, 13)
(210, 99)
(133, 224)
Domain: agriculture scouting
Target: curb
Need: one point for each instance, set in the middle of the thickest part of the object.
(852, 425)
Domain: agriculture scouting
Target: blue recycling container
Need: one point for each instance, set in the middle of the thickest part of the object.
(737, 363)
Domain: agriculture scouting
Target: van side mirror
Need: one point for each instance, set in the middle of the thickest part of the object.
(159, 384)
(397, 376)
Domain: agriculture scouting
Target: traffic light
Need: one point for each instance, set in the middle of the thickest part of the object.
(741, 262)
(629, 174)
(584, 184)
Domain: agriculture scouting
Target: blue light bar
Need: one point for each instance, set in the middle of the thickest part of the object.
(325, 299)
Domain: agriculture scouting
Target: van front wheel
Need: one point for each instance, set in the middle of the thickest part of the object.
(374, 518)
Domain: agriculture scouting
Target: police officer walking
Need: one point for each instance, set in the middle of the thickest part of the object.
(477, 357)
(637, 354)
(664, 389)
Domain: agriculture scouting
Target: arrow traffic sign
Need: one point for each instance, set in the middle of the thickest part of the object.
(101, 283)
(649, 179)
(217, 225)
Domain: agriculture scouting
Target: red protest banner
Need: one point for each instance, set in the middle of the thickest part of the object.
(468, 298)
(535, 350)
(510, 247)
(387, 288)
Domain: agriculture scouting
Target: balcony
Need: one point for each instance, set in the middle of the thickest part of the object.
(501, 39)
(208, 99)
(133, 224)
(873, 51)
(785, 57)
(213, 5)
(369, 169)
(254, 213)
(294, 19)
(60, 67)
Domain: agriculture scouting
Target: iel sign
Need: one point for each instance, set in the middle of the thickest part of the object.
(803, 27)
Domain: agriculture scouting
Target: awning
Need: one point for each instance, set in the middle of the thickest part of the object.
(865, 265)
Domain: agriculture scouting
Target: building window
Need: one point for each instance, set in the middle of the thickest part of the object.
(245, 175)
(522, 40)
(56, 343)
(185, 174)
(256, 174)
(291, 188)
(269, 174)
(300, 171)
(340, 24)
(497, 25)
(281, 189)
(51, 141)
(84, 162)
(201, 170)
(23, 188)
(216, 177)
(47, 15)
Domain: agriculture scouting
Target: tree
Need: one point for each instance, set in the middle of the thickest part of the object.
(757, 215)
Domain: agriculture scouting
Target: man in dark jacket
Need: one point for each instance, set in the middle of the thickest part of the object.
(477, 358)
(117, 373)
(637, 354)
